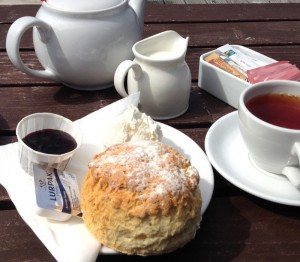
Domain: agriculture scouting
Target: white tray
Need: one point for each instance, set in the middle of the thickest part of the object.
(221, 84)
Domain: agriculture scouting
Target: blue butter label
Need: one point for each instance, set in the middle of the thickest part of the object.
(56, 190)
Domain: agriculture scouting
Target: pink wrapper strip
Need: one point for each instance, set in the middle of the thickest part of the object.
(281, 70)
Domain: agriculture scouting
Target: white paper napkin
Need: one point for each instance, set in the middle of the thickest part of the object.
(70, 240)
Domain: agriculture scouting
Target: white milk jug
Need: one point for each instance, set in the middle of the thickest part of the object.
(160, 73)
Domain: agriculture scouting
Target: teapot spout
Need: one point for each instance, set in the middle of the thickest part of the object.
(139, 8)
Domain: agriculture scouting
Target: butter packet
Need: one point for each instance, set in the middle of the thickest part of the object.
(245, 62)
(57, 193)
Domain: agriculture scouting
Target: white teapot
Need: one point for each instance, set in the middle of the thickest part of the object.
(79, 43)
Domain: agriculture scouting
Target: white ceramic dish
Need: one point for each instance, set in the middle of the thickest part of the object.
(228, 154)
(222, 84)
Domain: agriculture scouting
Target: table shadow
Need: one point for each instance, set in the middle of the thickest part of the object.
(6, 135)
(69, 96)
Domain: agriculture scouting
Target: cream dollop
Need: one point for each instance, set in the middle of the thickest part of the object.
(132, 125)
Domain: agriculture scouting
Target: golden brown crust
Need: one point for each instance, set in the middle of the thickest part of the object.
(141, 198)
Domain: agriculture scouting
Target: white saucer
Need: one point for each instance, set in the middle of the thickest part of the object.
(228, 154)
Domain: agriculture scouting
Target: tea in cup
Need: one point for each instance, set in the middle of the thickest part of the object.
(269, 122)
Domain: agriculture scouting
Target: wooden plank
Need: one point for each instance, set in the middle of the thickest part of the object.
(5, 139)
(18, 242)
(203, 109)
(40, 98)
(9, 14)
(11, 76)
(247, 34)
(26, 40)
(3, 195)
(221, 13)
(248, 217)
(196, 13)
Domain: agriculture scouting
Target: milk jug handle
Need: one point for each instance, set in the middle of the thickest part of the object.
(13, 39)
(121, 73)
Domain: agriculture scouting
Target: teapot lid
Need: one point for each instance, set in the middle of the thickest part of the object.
(82, 5)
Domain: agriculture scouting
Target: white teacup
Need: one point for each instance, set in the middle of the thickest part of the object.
(273, 145)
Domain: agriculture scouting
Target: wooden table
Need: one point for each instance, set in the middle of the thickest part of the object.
(237, 226)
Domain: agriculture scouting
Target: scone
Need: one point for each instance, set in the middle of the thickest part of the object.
(141, 198)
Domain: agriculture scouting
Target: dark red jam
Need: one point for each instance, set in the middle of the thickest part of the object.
(50, 141)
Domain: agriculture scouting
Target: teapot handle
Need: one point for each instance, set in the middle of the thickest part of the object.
(121, 73)
(13, 39)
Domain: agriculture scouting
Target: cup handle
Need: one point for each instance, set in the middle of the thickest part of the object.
(292, 172)
(13, 39)
(121, 73)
